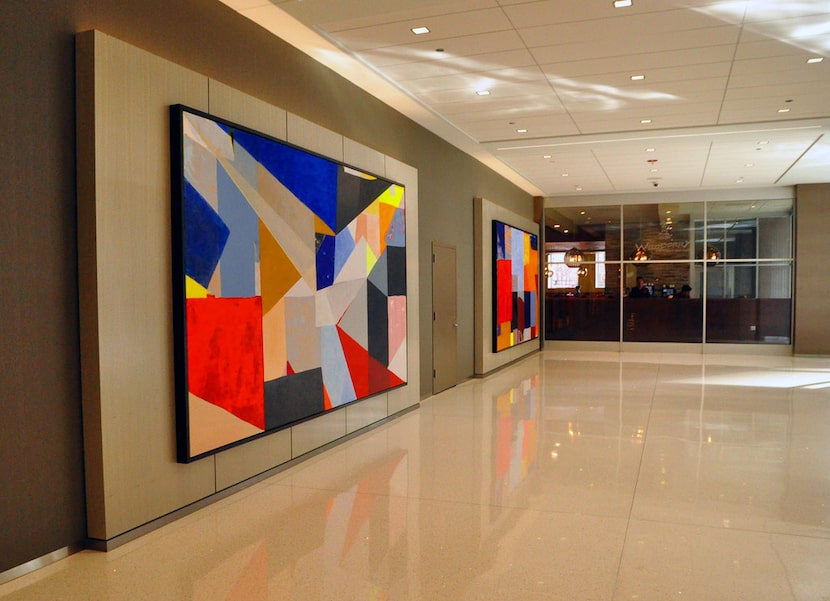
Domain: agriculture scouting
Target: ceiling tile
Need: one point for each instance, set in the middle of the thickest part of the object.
(468, 64)
(464, 46)
(618, 44)
(716, 75)
(441, 27)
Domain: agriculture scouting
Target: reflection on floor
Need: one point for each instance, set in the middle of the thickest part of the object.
(567, 476)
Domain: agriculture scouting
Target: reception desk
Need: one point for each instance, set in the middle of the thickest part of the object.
(658, 319)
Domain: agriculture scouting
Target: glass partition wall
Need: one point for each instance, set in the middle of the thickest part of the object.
(716, 272)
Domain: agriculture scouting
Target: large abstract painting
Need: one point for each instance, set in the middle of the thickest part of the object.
(289, 277)
(515, 286)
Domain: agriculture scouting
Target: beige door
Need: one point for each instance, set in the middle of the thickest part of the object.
(444, 318)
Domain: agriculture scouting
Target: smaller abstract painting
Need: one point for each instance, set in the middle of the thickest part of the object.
(515, 286)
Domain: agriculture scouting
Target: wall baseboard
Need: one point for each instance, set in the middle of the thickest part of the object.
(39, 562)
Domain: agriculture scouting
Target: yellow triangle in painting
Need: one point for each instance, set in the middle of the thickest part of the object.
(371, 260)
(277, 273)
(393, 195)
(193, 289)
(372, 209)
(320, 227)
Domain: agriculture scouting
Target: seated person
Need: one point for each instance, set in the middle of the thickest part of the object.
(640, 290)
(685, 292)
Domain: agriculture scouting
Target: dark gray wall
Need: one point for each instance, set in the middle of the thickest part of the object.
(41, 469)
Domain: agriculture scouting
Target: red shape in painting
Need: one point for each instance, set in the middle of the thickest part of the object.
(368, 375)
(224, 355)
(357, 360)
(504, 294)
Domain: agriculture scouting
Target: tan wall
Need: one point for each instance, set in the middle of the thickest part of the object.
(126, 313)
(812, 277)
(41, 456)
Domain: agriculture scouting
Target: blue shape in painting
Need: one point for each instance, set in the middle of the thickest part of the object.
(396, 235)
(241, 255)
(343, 248)
(500, 227)
(530, 303)
(205, 236)
(517, 254)
(310, 178)
(336, 375)
(379, 275)
(325, 261)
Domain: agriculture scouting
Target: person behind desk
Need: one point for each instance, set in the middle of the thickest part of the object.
(685, 292)
(640, 290)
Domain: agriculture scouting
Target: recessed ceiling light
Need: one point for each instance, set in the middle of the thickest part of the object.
(815, 59)
(762, 142)
(521, 131)
(653, 170)
(621, 3)
(564, 175)
(420, 30)
(740, 180)
(565, 231)
(547, 156)
(638, 77)
(645, 121)
(483, 92)
(556, 225)
(749, 165)
(582, 212)
(783, 110)
(579, 188)
(668, 212)
(649, 149)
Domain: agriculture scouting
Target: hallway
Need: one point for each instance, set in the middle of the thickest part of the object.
(572, 476)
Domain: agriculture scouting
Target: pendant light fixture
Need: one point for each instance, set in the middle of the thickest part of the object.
(712, 256)
(574, 258)
(582, 271)
(641, 253)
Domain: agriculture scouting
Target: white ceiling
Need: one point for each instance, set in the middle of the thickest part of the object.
(716, 75)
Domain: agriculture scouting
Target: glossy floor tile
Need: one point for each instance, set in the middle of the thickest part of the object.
(578, 476)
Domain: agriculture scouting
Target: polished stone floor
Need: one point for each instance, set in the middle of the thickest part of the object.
(573, 476)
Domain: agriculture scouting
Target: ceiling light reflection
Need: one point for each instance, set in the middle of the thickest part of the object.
(764, 379)
(772, 19)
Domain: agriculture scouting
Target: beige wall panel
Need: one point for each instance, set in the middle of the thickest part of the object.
(311, 136)
(247, 460)
(317, 432)
(406, 396)
(242, 109)
(366, 412)
(812, 247)
(362, 157)
(124, 237)
(139, 474)
(409, 395)
(484, 212)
